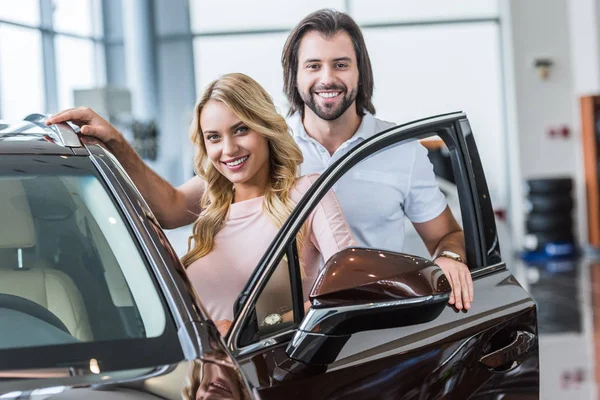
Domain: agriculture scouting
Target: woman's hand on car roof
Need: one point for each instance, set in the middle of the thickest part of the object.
(93, 127)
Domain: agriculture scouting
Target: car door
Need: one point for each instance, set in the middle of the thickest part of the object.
(407, 346)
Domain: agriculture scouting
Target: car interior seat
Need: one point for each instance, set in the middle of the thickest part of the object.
(34, 278)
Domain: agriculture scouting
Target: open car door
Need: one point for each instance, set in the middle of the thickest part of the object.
(379, 325)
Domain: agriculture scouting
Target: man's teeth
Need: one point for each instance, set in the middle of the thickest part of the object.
(329, 95)
(237, 162)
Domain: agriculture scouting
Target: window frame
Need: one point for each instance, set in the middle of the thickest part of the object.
(250, 329)
(184, 306)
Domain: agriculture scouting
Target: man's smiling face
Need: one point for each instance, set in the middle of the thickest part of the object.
(327, 74)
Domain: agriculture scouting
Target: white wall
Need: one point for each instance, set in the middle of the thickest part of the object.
(386, 11)
(538, 28)
(427, 70)
(543, 103)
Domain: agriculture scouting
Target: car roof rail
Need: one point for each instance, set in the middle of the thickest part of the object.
(64, 134)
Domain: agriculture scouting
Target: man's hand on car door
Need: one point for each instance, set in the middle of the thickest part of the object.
(460, 280)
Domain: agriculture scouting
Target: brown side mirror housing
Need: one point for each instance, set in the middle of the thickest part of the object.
(365, 289)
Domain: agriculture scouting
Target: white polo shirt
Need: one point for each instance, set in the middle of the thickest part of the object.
(377, 193)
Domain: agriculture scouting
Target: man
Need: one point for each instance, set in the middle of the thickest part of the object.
(328, 81)
(329, 84)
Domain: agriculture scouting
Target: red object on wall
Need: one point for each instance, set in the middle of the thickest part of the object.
(557, 132)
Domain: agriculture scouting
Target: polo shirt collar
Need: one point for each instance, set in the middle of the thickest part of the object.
(365, 130)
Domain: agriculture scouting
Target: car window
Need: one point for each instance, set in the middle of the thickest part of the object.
(71, 269)
(126, 277)
(385, 196)
(274, 310)
(439, 156)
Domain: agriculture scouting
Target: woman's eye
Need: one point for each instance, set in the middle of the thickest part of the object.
(312, 66)
(242, 130)
(212, 137)
(341, 65)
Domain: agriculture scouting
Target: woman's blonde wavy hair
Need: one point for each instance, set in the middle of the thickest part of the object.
(255, 108)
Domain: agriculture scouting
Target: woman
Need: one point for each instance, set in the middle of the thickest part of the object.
(249, 162)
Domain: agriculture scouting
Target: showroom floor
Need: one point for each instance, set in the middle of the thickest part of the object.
(567, 295)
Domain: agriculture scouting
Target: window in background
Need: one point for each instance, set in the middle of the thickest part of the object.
(97, 20)
(235, 15)
(385, 11)
(100, 64)
(76, 67)
(21, 77)
(258, 56)
(76, 17)
(25, 12)
(425, 70)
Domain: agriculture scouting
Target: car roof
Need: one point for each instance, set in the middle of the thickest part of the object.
(32, 136)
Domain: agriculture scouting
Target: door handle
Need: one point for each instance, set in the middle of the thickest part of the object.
(521, 345)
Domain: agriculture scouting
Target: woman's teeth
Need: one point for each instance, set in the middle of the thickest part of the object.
(221, 386)
(236, 162)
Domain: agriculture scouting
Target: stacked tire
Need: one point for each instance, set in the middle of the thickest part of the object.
(549, 219)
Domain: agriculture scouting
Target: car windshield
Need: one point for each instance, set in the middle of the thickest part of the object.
(72, 276)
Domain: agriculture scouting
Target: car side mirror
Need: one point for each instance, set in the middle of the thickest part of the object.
(365, 289)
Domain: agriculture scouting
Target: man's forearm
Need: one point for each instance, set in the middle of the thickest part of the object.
(454, 242)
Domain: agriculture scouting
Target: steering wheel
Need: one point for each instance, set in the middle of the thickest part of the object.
(8, 301)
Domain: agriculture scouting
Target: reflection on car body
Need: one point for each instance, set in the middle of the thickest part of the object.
(95, 303)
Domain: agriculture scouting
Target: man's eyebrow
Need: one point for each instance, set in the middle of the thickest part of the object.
(349, 59)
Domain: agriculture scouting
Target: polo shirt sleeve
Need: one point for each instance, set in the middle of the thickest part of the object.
(424, 201)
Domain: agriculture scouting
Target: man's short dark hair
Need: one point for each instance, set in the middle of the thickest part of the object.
(327, 22)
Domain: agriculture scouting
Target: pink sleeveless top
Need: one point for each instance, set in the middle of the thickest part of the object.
(220, 276)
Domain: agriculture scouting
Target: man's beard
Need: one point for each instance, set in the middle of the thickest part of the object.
(329, 112)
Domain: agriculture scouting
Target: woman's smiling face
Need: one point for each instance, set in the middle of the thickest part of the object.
(236, 151)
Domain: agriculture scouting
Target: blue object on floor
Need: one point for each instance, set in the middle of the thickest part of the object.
(551, 251)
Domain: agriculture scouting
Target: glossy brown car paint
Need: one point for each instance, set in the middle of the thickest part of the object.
(372, 275)
(434, 360)
(363, 289)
